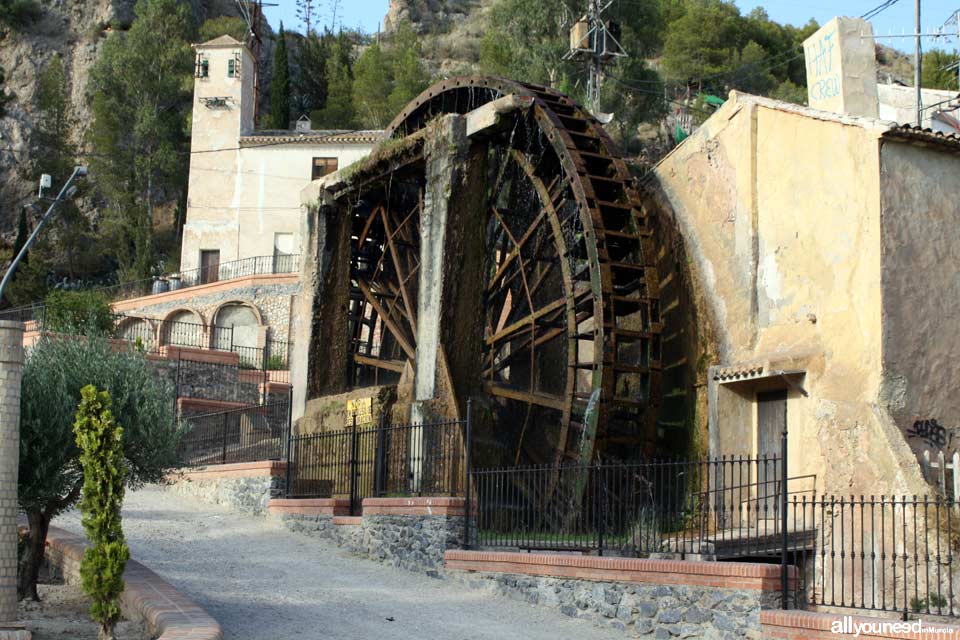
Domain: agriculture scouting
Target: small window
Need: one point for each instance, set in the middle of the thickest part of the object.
(323, 166)
(202, 68)
(231, 68)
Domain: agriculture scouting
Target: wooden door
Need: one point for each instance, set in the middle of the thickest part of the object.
(771, 421)
(209, 266)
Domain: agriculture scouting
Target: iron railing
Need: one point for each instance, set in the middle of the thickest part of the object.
(243, 268)
(716, 507)
(379, 460)
(245, 434)
(877, 553)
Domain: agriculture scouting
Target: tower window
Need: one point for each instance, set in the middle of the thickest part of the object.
(202, 69)
(323, 166)
(233, 66)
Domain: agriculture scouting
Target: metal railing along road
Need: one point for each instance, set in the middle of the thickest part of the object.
(246, 434)
(878, 553)
(719, 507)
(379, 460)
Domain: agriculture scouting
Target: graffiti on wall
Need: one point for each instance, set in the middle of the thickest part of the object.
(823, 70)
(929, 431)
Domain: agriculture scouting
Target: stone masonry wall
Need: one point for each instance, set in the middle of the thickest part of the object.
(271, 300)
(644, 610)
(246, 487)
(412, 542)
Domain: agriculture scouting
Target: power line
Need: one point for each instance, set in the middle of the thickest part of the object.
(877, 10)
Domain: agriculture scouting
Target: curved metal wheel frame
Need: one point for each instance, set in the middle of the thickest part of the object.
(608, 310)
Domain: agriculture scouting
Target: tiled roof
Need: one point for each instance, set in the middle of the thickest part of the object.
(222, 41)
(926, 137)
(332, 136)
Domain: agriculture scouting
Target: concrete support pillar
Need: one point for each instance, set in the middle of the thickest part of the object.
(11, 367)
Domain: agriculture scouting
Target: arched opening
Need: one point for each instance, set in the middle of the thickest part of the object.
(138, 332)
(237, 328)
(183, 328)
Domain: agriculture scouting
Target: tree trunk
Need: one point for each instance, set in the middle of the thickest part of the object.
(33, 556)
(106, 631)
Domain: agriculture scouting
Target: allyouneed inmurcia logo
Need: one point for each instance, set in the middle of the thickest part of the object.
(856, 628)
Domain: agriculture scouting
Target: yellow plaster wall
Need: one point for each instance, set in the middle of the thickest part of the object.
(780, 212)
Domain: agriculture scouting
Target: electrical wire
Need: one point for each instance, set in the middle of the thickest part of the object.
(877, 10)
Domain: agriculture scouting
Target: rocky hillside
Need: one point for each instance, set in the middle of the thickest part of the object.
(74, 29)
(452, 30)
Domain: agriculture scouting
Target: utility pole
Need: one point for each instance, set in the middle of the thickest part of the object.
(596, 43)
(66, 192)
(916, 65)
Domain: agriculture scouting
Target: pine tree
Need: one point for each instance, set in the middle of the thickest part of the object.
(339, 112)
(372, 87)
(409, 75)
(311, 85)
(100, 440)
(139, 92)
(280, 86)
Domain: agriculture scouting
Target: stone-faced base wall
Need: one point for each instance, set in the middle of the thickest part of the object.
(647, 598)
(245, 486)
(410, 533)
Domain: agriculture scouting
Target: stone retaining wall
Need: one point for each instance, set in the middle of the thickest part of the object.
(147, 597)
(648, 598)
(410, 533)
(245, 486)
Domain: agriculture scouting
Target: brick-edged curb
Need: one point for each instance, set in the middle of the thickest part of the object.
(813, 625)
(726, 575)
(440, 506)
(146, 597)
(277, 468)
(309, 506)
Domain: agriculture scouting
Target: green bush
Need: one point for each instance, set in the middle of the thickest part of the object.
(276, 363)
(50, 478)
(78, 312)
(18, 14)
(100, 440)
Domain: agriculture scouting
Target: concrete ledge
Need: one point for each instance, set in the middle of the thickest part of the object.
(413, 507)
(146, 596)
(349, 521)
(259, 469)
(309, 506)
(803, 625)
(726, 575)
(208, 406)
(188, 293)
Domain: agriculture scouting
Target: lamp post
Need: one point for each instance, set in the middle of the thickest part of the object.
(11, 363)
(66, 192)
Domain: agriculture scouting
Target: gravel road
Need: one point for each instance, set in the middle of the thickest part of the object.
(264, 583)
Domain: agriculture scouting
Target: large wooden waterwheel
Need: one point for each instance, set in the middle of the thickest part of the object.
(571, 345)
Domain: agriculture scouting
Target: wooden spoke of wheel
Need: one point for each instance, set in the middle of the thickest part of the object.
(388, 320)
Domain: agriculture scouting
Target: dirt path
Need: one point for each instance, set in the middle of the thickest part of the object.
(264, 583)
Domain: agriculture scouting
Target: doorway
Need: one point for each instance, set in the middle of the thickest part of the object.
(209, 266)
(771, 422)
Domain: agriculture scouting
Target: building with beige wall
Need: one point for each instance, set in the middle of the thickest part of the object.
(243, 198)
(822, 247)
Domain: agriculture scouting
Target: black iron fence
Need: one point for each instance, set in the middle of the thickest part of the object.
(720, 508)
(246, 434)
(379, 460)
(877, 553)
(254, 266)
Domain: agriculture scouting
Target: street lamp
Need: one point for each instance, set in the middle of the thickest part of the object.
(67, 191)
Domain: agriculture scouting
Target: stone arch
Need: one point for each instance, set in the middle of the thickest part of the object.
(237, 323)
(183, 327)
(141, 332)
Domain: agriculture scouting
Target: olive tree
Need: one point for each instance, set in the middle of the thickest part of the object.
(51, 476)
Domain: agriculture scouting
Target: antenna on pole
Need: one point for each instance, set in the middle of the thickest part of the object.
(597, 43)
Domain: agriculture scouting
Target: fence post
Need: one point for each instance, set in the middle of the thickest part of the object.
(600, 510)
(223, 428)
(783, 515)
(378, 457)
(942, 472)
(286, 489)
(956, 478)
(353, 467)
(467, 511)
